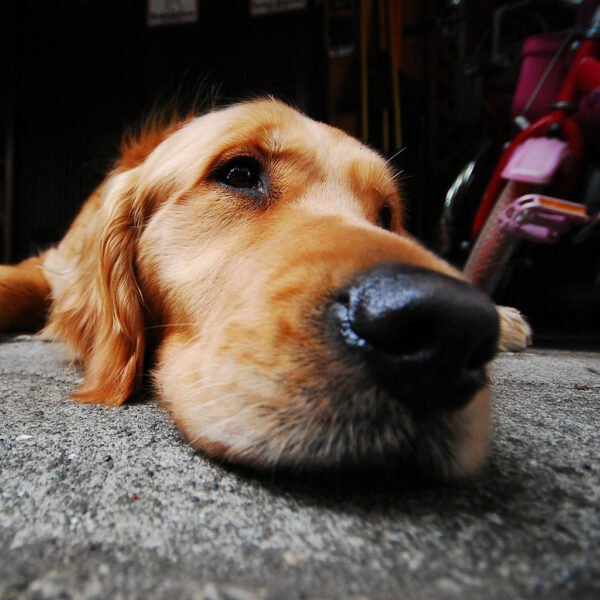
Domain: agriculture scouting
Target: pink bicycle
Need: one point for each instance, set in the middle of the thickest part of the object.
(535, 192)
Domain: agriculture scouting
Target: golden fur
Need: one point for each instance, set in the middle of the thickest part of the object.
(225, 294)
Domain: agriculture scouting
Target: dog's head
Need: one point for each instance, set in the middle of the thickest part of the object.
(296, 323)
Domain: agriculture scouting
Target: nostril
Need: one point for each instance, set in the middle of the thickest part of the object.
(390, 332)
(393, 319)
(409, 339)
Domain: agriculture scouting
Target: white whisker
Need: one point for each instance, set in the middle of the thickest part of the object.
(395, 155)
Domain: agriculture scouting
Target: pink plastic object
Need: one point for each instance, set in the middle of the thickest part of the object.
(536, 160)
(541, 218)
(538, 51)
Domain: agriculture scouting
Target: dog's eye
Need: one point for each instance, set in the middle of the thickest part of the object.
(384, 218)
(242, 172)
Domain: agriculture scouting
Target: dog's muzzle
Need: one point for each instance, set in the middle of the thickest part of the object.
(424, 337)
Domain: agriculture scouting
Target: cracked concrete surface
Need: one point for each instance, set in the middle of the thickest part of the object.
(100, 502)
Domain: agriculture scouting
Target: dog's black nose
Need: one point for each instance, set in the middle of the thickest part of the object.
(425, 336)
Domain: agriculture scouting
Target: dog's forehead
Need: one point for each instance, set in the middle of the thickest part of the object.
(279, 131)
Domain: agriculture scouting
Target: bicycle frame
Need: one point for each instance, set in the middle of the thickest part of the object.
(583, 77)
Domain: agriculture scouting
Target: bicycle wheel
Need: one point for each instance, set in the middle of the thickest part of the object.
(494, 247)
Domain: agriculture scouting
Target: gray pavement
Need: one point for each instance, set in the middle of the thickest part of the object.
(101, 502)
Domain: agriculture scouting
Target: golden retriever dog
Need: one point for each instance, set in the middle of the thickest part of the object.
(255, 262)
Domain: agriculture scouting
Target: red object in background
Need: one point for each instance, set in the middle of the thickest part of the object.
(538, 52)
(582, 77)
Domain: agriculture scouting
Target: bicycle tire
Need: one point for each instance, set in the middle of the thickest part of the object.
(494, 247)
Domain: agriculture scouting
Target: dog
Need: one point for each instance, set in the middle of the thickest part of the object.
(255, 260)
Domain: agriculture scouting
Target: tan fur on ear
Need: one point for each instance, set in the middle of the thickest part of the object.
(97, 305)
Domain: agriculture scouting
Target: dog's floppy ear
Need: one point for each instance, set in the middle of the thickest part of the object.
(98, 306)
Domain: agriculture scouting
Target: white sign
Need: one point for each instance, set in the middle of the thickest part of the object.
(172, 12)
(269, 7)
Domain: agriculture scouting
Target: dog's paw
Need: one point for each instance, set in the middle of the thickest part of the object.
(515, 332)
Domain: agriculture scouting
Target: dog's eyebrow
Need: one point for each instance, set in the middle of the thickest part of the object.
(270, 146)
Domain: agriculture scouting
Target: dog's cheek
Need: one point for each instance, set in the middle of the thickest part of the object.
(213, 401)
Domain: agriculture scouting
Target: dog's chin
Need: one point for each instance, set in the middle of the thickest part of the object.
(393, 445)
(362, 433)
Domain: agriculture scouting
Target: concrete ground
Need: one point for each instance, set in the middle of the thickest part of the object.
(111, 503)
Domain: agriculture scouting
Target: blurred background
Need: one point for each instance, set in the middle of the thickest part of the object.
(428, 83)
